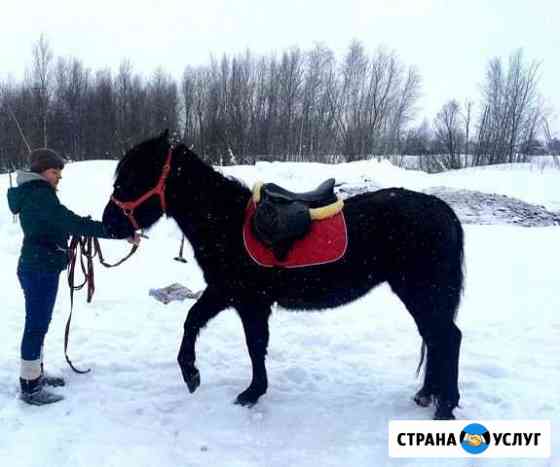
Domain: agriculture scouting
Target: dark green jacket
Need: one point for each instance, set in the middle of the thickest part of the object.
(46, 224)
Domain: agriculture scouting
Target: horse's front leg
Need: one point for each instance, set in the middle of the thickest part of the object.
(210, 303)
(255, 324)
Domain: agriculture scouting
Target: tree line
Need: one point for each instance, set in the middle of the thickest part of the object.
(297, 105)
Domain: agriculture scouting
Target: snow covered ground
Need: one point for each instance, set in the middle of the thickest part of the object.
(134, 410)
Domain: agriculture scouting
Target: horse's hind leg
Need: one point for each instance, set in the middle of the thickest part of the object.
(433, 313)
(424, 397)
(255, 324)
(443, 339)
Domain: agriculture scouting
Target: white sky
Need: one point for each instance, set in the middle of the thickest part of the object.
(449, 41)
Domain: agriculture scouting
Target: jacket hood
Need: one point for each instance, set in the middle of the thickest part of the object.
(27, 182)
(22, 176)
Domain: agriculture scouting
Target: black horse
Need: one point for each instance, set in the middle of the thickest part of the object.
(411, 240)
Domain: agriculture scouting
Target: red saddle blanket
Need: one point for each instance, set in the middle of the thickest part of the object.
(325, 242)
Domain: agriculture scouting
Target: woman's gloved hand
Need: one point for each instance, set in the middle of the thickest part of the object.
(134, 239)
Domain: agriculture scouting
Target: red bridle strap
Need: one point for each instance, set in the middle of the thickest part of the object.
(128, 207)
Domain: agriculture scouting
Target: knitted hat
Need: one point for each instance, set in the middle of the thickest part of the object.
(44, 159)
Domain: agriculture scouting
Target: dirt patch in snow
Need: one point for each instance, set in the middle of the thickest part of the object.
(475, 207)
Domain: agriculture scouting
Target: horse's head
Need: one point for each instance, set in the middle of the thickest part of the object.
(138, 198)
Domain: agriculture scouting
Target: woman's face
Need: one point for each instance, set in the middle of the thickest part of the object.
(53, 176)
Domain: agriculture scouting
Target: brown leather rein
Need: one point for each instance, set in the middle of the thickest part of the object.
(89, 248)
(86, 248)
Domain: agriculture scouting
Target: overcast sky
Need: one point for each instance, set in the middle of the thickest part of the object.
(449, 41)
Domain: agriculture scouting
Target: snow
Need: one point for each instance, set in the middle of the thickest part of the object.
(334, 382)
(529, 182)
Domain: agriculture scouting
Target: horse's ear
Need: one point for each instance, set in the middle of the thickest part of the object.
(165, 135)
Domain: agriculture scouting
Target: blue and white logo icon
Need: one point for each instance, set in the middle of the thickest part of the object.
(475, 438)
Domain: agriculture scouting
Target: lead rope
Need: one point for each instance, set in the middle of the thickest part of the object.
(88, 248)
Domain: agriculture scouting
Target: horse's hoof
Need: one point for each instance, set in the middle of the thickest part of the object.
(243, 402)
(442, 416)
(248, 398)
(192, 378)
(444, 412)
(423, 400)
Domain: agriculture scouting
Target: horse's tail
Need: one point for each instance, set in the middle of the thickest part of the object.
(459, 269)
(422, 357)
(456, 278)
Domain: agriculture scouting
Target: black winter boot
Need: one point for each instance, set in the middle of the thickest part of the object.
(33, 392)
(48, 380)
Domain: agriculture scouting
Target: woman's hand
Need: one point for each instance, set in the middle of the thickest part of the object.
(134, 240)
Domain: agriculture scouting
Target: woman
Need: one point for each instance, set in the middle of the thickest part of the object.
(46, 226)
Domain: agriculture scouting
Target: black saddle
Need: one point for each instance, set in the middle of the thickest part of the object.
(282, 216)
(320, 196)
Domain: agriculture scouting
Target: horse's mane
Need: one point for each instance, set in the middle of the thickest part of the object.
(213, 176)
(133, 152)
(227, 184)
(121, 164)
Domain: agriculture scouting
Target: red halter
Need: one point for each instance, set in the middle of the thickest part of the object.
(128, 207)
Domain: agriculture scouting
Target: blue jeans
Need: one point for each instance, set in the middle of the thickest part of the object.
(39, 289)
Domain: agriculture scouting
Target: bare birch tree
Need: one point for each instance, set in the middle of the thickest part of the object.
(448, 132)
(510, 102)
(42, 83)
